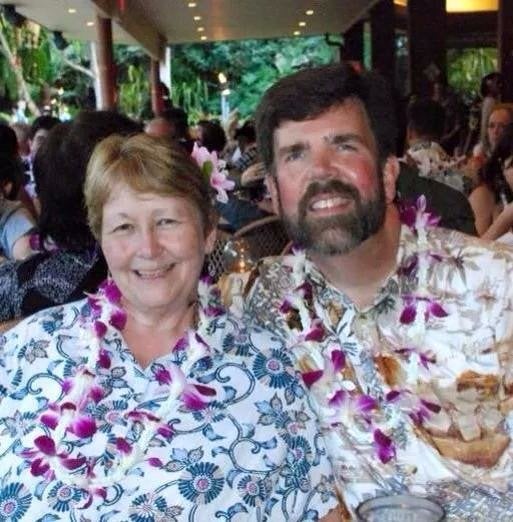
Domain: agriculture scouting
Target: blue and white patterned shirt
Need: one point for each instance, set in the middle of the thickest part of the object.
(254, 453)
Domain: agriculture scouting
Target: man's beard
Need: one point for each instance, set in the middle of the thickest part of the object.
(338, 234)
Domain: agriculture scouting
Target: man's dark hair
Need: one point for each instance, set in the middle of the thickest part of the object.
(213, 136)
(427, 118)
(59, 171)
(310, 92)
(11, 171)
(178, 117)
(485, 81)
(42, 122)
(8, 141)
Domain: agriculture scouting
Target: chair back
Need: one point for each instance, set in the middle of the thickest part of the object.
(266, 237)
(214, 263)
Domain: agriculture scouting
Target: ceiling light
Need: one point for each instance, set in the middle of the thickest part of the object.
(302, 24)
(310, 12)
(89, 24)
(72, 10)
(203, 38)
(200, 29)
(192, 4)
(297, 33)
(197, 18)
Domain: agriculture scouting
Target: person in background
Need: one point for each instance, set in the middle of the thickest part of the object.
(402, 330)
(426, 119)
(500, 115)
(22, 131)
(16, 222)
(147, 401)
(246, 139)
(211, 135)
(68, 262)
(172, 124)
(490, 91)
(494, 190)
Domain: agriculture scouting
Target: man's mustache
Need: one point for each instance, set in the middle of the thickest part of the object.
(333, 186)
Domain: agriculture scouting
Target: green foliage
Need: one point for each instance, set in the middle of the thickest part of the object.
(466, 67)
(250, 65)
(134, 93)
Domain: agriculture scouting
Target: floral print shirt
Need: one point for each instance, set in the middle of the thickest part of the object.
(254, 453)
(456, 447)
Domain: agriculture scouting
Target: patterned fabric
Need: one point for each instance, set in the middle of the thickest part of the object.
(254, 453)
(247, 158)
(47, 279)
(462, 455)
(433, 162)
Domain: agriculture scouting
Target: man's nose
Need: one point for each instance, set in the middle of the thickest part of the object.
(322, 164)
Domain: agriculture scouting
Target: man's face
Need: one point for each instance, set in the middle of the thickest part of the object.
(327, 188)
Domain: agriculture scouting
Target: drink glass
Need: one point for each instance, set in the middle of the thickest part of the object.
(399, 508)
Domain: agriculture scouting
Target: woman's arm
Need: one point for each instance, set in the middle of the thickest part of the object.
(336, 515)
(502, 224)
(483, 204)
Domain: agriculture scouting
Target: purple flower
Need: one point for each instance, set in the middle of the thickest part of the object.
(311, 377)
(118, 319)
(338, 359)
(83, 426)
(191, 399)
(100, 329)
(162, 375)
(39, 467)
(111, 291)
(383, 446)
(123, 446)
(205, 390)
(305, 291)
(286, 307)
(50, 419)
(45, 445)
(72, 464)
(409, 312)
(165, 431)
(316, 332)
(155, 462)
(338, 398)
(365, 403)
(104, 359)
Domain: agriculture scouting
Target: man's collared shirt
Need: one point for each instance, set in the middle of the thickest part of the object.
(461, 456)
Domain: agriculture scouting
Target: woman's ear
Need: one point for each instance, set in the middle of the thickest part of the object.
(391, 171)
(211, 235)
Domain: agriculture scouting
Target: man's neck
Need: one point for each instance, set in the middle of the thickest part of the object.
(361, 273)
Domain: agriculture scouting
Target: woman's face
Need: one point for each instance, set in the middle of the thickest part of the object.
(499, 119)
(155, 248)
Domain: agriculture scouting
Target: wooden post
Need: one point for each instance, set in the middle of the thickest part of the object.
(382, 20)
(106, 66)
(157, 103)
(353, 43)
(505, 47)
(427, 44)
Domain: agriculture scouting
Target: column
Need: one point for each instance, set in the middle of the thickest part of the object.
(353, 43)
(427, 44)
(505, 47)
(106, 66)
(382, 21)
(157, 103)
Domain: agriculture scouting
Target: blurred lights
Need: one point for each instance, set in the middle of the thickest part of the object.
(310, 12)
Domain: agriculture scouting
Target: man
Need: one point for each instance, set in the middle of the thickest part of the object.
(402, 331)
(425, 126)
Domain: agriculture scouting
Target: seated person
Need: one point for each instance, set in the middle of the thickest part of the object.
(16, 223)
(494, 190)
(146, 401)
(403, 331)
(426, 119)
(246, 139)
(69, 261)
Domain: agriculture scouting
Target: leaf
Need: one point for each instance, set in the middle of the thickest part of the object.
(49, 517)
(248, 430)
(210, 434)
(269, 444)
(218, 450)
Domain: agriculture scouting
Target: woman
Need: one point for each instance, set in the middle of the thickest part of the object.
(68, 262)
(499, 117)
(495, 189)
(145, 402)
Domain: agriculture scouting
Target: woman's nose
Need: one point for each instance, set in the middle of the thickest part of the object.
(150, 244)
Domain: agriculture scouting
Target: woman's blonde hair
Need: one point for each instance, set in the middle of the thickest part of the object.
(147, 165)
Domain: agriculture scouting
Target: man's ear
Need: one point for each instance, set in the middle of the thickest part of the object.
(272, 186)
(391, 171)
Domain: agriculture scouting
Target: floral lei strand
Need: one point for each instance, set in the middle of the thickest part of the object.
(331, 382)
(81, 393)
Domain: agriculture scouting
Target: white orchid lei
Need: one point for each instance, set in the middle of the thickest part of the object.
(214, 170)
(332, 381)
(48, 457)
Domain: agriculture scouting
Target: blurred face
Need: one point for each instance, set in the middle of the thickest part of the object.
(160, 128)
(39, 138)
(155, 248)
(327, 188)
(507, 171)
(498, 120)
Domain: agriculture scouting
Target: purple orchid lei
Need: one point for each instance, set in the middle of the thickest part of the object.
(49, 459)
(330, 380)
(214, 170)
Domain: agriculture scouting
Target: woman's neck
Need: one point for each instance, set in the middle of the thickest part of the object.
(151, 335)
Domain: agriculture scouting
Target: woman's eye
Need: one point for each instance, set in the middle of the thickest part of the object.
(124, 227)
(166, 221)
